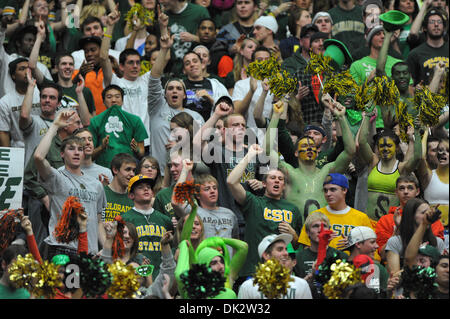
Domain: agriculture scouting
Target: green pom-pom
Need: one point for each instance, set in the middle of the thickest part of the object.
(200, 282)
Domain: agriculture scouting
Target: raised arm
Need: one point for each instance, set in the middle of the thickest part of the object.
(186, 173)
(62, 119)
(417, 23)
(234, 178)
(61, 24)
(382, 56)
(242, 106)
(259, 106)
(82, 107)
(341, 163)
(166, 42)
(25, 119)
(23, 16)
(34, 55)
(111, 20)
(412, 249)
(365, 151)
(199, 141)
(411, 163)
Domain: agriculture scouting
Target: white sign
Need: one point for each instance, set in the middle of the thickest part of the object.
(11, 177)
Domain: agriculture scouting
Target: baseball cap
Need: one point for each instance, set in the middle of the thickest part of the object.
(336, 179)
(83, 41)
(226, 99)
(135, 180)
(267, 21)
(308, 28)
(268, 240)
(359, 234)
(429, 251)
(320, 15)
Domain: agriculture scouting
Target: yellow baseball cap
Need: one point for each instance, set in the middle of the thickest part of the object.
(139, 179)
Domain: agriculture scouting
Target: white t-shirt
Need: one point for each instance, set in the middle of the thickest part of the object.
(10, 106)
(298, 289)
(135, 99)
(241, 88)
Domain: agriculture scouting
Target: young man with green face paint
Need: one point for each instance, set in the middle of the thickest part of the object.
(305, 185)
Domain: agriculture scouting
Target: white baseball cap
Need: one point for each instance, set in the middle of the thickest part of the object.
(268, 240)
(359, 234)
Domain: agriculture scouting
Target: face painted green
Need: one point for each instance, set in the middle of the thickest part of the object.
(347, 100)
(401, 77)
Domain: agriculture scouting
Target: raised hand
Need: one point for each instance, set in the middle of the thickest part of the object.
(188, 165)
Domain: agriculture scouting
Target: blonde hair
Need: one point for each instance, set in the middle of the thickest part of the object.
(95, 9)
(238, 61)
(312, 218)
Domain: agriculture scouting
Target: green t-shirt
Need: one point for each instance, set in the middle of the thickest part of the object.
(185, 21)
(70, 99)
(116, 204)
(348, 27)
(150, 229)
(121, 127)
(262, 217)
(163, 202)
(6, 293)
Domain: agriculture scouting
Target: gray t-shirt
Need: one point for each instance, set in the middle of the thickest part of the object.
(221, 222)
(61, 184)
(395, 245)
(33, 134)
(94, 170)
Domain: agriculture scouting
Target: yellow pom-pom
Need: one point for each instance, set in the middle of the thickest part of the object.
(22, 272)
(318, 64)
(272, 279)
(125, 283)
(429, 105)
(343, 275)
(47, 280)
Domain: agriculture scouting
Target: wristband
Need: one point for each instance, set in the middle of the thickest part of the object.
(107, 35)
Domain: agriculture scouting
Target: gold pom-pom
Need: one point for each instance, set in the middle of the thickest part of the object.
(272, 279)
(429, 105)
(404, 120)
(145, 67)
(385, 92)
(341, 83)
(318, 64)
(281, 84)
(343, 275)
(143, 14)
(22, 272)
(125, 283)
(47, 280)
(261, 70)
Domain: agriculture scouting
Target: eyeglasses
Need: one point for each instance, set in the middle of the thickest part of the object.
(147, 166)
(435, 22)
